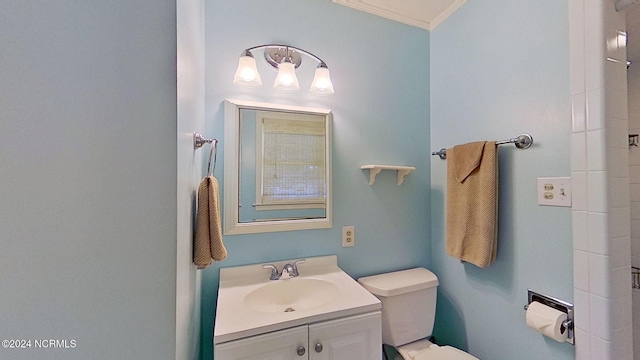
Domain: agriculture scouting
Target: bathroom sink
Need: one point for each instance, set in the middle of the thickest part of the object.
(249, 303)
(290, 295)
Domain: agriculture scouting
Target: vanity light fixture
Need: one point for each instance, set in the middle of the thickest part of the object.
(286, 59)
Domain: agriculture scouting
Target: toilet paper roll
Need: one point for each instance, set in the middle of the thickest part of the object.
(547, 320)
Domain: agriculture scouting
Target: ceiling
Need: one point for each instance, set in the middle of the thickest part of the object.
(420, 13)
(428, 14)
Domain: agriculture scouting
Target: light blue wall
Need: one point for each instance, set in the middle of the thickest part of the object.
(500, 68)
(88, 178)
(381, 115)
(190, 111)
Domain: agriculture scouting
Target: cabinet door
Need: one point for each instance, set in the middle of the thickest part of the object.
(355, 338)
(278, 345)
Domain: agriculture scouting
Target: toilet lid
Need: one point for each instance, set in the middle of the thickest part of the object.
(443, 352)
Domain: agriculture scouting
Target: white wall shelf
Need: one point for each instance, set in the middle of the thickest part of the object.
(374, 170)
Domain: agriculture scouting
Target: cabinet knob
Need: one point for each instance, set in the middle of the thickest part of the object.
(319, 347)
(301, 350)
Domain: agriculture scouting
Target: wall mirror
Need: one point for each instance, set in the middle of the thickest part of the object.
(277, 167)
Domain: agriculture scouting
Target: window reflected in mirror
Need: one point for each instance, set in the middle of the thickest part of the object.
(286, 177)
(278, 164)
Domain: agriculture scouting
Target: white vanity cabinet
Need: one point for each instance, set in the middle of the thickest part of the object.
(356, 337)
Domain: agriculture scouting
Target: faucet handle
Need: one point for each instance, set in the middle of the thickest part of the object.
(295, 266)
(274, 271)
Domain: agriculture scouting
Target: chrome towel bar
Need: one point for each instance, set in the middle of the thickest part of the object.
(523, 141)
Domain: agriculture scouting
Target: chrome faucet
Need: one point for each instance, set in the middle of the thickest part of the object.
(288, 271)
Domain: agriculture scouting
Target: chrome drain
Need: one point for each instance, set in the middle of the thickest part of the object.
(289, 310)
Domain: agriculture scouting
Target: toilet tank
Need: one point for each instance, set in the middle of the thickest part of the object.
(408, 303)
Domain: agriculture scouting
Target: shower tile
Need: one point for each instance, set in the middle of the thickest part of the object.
(619, 192)
(581, 270)
(623, 348)
(601, 320)
(635, 210)
(599, 275)
(596, 160)
(635, 299)
(616, 99)
(594, 45)
(617, 164)
(620, 250)
(579, 190)
(635, 261)
(579, 224)
(601, 349)
(634, 174)
(579, 112)
(598, 228)
(615, 82)
(619, 222)
(597, 194)
(617, 134)
(622, 304)
(635, 229)
(584, 339)
(595, 109)
(578, 151)
(581, 304)
(634, 153)
(635, 250)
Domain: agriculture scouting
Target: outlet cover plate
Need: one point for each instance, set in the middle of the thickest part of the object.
(554, 191)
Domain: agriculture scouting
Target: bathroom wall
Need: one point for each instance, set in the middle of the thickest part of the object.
(381, 115)
(500, 68)
(88, 178)
(190, 108)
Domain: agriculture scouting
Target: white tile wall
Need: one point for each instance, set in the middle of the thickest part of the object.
(633, 93)
(634, 167)
(600, 180)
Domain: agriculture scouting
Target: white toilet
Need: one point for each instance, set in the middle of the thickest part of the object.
(408, 311)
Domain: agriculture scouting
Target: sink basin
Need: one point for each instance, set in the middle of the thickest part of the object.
(250, 304)
(290, 295)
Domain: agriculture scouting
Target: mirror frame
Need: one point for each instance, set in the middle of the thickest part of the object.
(231, 223)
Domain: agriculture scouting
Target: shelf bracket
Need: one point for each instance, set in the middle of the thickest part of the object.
(374, 170)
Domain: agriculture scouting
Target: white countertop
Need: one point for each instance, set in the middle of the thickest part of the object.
(235, 320)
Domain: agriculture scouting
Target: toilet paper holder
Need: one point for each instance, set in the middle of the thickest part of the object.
(557, 304)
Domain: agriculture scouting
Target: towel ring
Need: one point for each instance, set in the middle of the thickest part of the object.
(198, 142)
(213, 153)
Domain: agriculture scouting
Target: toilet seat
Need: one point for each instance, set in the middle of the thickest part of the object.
(443, 352)
(426, 350)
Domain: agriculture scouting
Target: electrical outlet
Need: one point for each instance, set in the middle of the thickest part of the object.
(348, 236)
(554, 191)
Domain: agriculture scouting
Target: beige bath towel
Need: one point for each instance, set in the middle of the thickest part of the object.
(472, 202)
(207, 243)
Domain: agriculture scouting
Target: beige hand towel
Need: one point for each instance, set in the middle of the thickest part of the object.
(472, 202)
(207, 244)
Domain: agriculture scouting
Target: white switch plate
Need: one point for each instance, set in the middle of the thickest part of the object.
(554, 191)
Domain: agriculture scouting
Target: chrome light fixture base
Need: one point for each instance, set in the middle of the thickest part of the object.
(275, 55)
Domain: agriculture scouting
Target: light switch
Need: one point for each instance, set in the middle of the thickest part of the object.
(554, 191)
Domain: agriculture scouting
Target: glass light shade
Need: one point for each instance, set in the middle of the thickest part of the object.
(247, 72)
(322, 84)
(286, 79)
